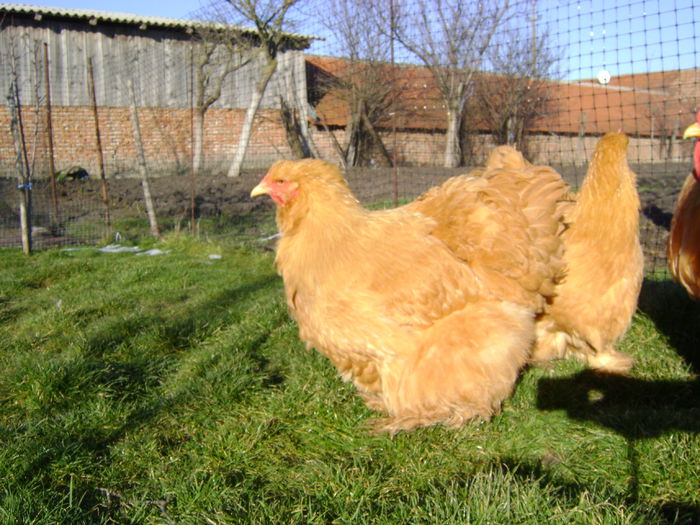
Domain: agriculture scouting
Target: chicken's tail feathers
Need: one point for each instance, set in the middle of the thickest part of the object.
(609, 190)
(547, 202)
(507, 158)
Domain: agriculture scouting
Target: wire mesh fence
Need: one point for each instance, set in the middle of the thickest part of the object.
(95, 105)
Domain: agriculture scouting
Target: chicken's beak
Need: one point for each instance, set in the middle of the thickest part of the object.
(692, 131)
(260, 189)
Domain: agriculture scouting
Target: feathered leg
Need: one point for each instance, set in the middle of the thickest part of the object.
(555, 343)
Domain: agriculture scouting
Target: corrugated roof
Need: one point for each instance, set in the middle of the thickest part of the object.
(107, 16)
(125, 18)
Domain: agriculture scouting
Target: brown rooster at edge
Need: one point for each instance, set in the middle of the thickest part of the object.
(683, 248)
(593, 305)
(431, 319)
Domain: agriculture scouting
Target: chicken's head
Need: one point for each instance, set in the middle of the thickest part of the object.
(694, 131)
(287, 180)
(277, 185)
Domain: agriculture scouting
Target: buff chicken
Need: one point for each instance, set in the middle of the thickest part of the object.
(684, 240)
(593, 305)
(429, 309)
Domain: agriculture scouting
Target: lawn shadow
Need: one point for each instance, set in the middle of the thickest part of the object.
(571, 493)
(675, 315)
(658, 216)
(637, 409)
(634, 408)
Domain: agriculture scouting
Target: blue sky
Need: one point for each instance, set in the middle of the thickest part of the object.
(630, 36)
(171, 8)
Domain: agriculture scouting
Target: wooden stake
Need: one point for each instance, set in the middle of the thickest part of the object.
(143, 169)
(49, 132)
(21, 164)
(98, 144)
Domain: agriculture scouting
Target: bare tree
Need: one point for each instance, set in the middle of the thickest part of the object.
(295, 111)
(665, 119)
(518, 93)
(365, 82)
(270, 21)
(451, 38)
(22, 164)
(217, 51)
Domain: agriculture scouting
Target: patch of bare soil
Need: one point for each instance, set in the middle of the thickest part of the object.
(80, 201)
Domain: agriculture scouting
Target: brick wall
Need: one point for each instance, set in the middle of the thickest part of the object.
(166, 134)
(167, 140)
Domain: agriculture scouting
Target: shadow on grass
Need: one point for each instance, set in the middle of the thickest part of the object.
(637, 409)
(675, 315)
(640, 409)
(571, 493)
(634, 408)
(658, 216)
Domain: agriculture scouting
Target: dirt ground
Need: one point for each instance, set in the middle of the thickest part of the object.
(80, 201)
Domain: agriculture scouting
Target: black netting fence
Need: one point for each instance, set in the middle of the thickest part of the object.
(403, 94)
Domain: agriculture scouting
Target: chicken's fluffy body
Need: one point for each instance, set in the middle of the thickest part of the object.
(514, 242)
(684, 239)
(432, 319)
(683, 249)
(593, 305)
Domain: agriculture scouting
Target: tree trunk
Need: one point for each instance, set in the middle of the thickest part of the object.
(198, 146)
(49, 135)
(377, 139)
(306, 131)
(452, 151)
(672, 139)
(247, 129)
(292, 129)
(25, 220)
(338, 147)
(352, 151)
(352, 130)
(143, 169)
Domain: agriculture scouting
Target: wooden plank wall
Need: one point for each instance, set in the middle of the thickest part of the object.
(159, 62)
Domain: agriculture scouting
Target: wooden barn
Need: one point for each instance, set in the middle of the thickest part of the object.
(50, 52)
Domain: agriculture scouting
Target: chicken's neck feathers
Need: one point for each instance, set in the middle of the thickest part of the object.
(338, 242)
(619, 188)
(608, 194)
(319, 232)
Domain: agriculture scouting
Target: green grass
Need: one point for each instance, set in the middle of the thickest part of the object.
(174, 389)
